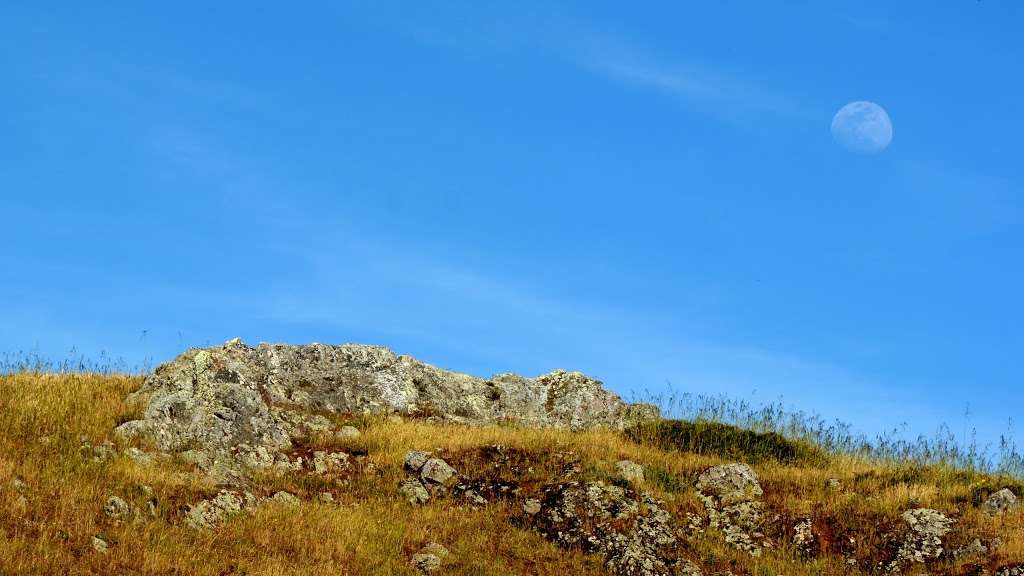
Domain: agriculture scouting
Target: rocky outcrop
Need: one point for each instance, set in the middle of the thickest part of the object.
(632, 530)
(1000, 502)
(924, 540)
(732, 497)
(234, 407)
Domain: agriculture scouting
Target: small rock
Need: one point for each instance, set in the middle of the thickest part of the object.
(425, 563)
(1001, 502)
(325, 498)
(437, 471)
(803, 538)
(286, 498)
(927, 528)
(435, 549)
(100, 544)
(630, 471)
(413, 491)
(730, 484)
(414, 460)
(687, 568)
(138, 456)
(329, 463)
(347, 433)
(117, 509)
(532, 506)
(972, 550)
(19, 486)
(834, 485)
(209, 513)
(474, 498)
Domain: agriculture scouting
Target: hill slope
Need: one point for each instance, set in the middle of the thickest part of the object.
(387, 494)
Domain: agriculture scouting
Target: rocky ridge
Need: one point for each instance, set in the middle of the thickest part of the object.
(234, 408)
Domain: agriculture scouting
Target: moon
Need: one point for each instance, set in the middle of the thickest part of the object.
(862, 127)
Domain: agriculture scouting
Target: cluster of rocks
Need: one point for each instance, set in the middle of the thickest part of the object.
(207, 514)
(631, 530)
(731, 494)
(428, 476)
(234, 407)
(429, 557)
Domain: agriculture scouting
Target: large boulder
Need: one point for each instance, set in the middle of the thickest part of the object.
(234, 407)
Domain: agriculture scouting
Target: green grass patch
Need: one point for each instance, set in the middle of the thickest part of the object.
(724, 440)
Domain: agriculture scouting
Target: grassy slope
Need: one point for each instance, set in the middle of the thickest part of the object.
(43, 420)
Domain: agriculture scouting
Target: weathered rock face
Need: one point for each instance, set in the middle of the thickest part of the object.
(1000, 502)
(731, 494)
(924, 542)
(236, 406)
(632, 530)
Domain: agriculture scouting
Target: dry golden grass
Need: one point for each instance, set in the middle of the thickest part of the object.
(47, 528)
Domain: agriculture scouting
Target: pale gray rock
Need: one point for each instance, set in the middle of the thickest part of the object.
(330, 462)
(973, 550)
(347, 433)
(437, 471)
(100, 544)
(425, 563)
(924, 540)
(414, 460)
(731, 495)
(286, 499)
(730, 484)
(532, 506)
(630, 471)
(834, 485)
(414, 491)
(631, 530)
(1011, 571)
(117, 509)
(436, 549)
(687, 568)
(239, 406)
(803, 538)
(208, 514)
(1000, 502)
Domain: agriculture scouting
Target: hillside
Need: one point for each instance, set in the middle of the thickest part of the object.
(353, 461)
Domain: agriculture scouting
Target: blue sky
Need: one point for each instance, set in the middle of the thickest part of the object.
(647, 194)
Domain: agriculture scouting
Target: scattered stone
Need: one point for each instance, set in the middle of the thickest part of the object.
(414, 460)
(238, 407)
(731, 493)
(286, 499)
(99, 452)
(138, 456)
(19, 486)
(972, 550)
(414, 491)
(834, 485)
(474, 498)
(730, 484)
(425, 563)
(1011, 571)
(100, 544)
(1000, 502)
(687, 568)
(437, 471)
(347, 433)
(803, 538)
(531, 506)
(117, 509)
(435, 549)
(631, 530)
(208, 514)
(330, 463)
(924, 542)
(325, 498)
(630, 471)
